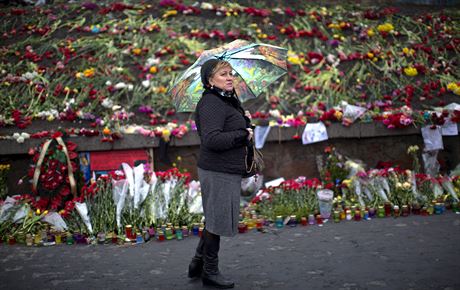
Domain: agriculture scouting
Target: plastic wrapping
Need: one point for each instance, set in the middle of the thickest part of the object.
(6, 208)
(83, 212)
(430, 161)
(357, 187)
(55, 219)
(449, 187)
(250, 185)
(120, 190)
(325, 197)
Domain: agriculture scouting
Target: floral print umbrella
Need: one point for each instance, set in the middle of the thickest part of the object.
(256, 65)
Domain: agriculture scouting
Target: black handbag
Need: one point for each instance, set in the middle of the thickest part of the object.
(254, 160)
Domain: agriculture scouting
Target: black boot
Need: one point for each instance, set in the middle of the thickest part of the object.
(195, 268)
(211, 275)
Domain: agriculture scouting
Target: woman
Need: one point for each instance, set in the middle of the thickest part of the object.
(224, 129)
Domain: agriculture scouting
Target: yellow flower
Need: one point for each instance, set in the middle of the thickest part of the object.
(50, 118)
(346, 182)
(179, 158)
(338, 115)
(136, 51)
(38, 211)
(410, 71)
(166, 134)
(106, 131)
(45, 212)
(294, 59)
(408, 51)
(453, 87)
(387, 27)
(89, 72)
(170, 13)
(370, 55)
(406, 185)
(78, 75)
(153, 69)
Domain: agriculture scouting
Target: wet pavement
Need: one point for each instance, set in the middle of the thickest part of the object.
(404, 253)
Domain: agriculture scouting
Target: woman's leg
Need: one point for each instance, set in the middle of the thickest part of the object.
(195, 267)
(211, 274)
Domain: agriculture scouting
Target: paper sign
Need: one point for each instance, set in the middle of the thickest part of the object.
(314, 132)
(432, 138)
(449, 129)
(260, 135)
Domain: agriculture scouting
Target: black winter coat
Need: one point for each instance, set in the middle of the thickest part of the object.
(222, 127)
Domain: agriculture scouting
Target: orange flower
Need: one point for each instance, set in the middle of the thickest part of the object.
(89, 72)
(106, 131)
(153, 69)
(136, 51)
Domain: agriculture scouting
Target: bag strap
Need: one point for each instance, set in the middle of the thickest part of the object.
(246, 161)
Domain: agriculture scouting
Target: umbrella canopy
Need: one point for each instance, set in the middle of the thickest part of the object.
(257, 66)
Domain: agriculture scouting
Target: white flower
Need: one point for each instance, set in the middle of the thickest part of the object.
(29, 75)
(16, 136)
(275, 113)
(107, 103)
(25, 135)
(130, 87)
(116, 107)
(146, 83)
(108, 83)
(206, 6)
(120, 85)
(20, 140)
(153, 61)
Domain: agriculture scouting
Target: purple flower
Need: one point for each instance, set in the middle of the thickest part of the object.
(145, 109)
(90, 6)
(333, 42)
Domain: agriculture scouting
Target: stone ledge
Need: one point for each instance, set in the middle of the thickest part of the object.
(277, 134)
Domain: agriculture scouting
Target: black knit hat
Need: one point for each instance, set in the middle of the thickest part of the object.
(206, 70)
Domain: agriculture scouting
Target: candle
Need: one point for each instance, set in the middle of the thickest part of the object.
(336, 216)
(387, 207)
(242, 227)
(366, 215)
(139, 238)
(168, 233)
(343, 215)
(303, 221)
(348, 213)
(319, 220)
(293, 221)
(29, 240)
(195, 229)
(438, 208)
(57, 238)
(161, 235)
(381, 211)
(184, 231)
(178, 233)
(114, 238)
(129, 231)
(259, 224)
(311, 219)
(357, 215)
(396, 211)
(200, 231)
(279, 222)
(371, 212)
(405, 210)
(69, 239)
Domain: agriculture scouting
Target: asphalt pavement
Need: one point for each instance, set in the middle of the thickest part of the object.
(404, 253)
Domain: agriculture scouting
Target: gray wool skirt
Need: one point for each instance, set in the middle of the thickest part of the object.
(220, 193)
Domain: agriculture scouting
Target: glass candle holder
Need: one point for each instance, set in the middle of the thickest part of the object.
(184, 231)
(279, 222)
(387, 207)
(336, 216)
(292, 221)
(319, 219)
(29, 240)
(311, 219)
(348, 214)
(372, 212)
(129, 231)
(438, 208)
(381, 211)
(178, 232)
(160, 235)
(396, 211)
(343, 215)
(195, 229)
(169, 233)
(366, 215)
(357, 215)
(405, 210)
(259, 224)
(241, 227)
(303, 221)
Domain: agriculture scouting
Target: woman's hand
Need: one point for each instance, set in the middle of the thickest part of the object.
(251, 133)
(248, 114)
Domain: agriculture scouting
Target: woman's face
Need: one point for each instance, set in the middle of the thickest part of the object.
(223, 79)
